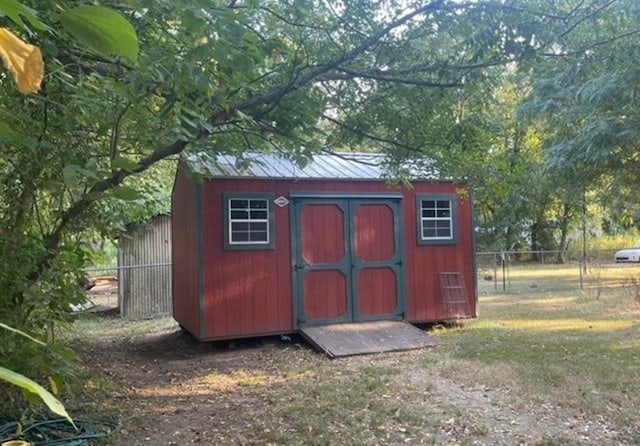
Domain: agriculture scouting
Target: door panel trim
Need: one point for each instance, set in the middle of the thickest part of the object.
(350, 266)
(348, 196)
(302, 269)
(395, 263)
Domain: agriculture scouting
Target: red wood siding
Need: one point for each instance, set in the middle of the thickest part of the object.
(184, 254)
(425, 262)
(250, 292)
(246, 292)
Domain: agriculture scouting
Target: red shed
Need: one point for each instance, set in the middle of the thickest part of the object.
(267, 247)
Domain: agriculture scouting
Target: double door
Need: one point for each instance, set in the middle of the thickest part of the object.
(348, 260)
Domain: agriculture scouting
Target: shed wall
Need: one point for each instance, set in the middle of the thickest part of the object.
(185, 254)
(250, 292)
(144, 281)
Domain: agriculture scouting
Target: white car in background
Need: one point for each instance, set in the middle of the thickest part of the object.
(628, 255)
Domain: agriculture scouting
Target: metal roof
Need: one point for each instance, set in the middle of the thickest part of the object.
(340, 165)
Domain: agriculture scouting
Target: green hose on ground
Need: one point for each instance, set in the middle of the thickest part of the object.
(57, 432)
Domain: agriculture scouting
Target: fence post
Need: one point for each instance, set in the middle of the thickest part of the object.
(581, 274)
(504, 276)
(495, 273)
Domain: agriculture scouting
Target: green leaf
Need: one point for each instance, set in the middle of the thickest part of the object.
(7, 134)
(71, 171)
(21, 333)
(125, 193)
(103, 30)
(124, 164)
(14, 10)
(33, 387)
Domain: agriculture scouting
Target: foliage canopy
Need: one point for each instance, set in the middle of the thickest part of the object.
(443, 79)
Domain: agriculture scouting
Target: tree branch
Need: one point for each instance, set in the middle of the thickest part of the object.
(586, 16)
(351, 74)
(367, 135)
(311, 74)
(593, 45)
(115, 132)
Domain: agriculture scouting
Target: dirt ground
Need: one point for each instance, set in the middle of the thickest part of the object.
(172, 390)
(104, 294)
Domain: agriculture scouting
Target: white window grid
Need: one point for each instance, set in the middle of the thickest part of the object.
(436, 207)
(248, 220)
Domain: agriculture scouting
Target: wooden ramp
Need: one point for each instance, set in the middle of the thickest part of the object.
(361, 338)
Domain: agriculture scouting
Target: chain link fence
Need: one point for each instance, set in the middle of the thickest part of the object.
(530, 271)
(145, 290)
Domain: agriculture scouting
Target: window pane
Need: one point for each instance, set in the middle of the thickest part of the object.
(443, 233)
(260, 226)
(428, 204)
(429, 213)
(436, 219)
(239, 215)
(259, 236)
(238, 226)
(239, 236)
(258, 215)
(248, 221)
(429, 224)
(239, 204)
(428, 233)
(258, 204)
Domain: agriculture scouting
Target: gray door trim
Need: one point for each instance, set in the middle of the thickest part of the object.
(396, 263)
(350, 266)
(301, 268)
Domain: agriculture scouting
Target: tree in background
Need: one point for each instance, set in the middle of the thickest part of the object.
(585, 93)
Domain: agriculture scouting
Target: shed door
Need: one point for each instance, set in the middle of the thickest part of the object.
(348, 260)
(376, 251)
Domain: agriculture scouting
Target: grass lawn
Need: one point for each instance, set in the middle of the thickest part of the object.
(534, 277)
(537, 367)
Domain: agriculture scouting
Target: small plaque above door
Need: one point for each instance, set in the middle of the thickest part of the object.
(281, 201)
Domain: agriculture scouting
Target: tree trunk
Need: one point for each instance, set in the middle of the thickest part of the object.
(564, 232)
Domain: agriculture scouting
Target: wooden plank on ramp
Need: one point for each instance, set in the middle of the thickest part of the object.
(359, 338)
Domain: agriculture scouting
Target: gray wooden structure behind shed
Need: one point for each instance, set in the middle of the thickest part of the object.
(144, 261)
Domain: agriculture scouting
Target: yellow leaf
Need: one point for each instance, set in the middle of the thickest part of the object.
(54, 386)
(23, 60)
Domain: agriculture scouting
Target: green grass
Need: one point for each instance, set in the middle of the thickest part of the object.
(538, 367)
(575, 349)
(536, 278)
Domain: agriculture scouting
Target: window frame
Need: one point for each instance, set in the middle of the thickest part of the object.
(248, 246)
(453, 199)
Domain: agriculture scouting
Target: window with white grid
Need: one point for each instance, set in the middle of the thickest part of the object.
(437, 219)
(248, 220)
